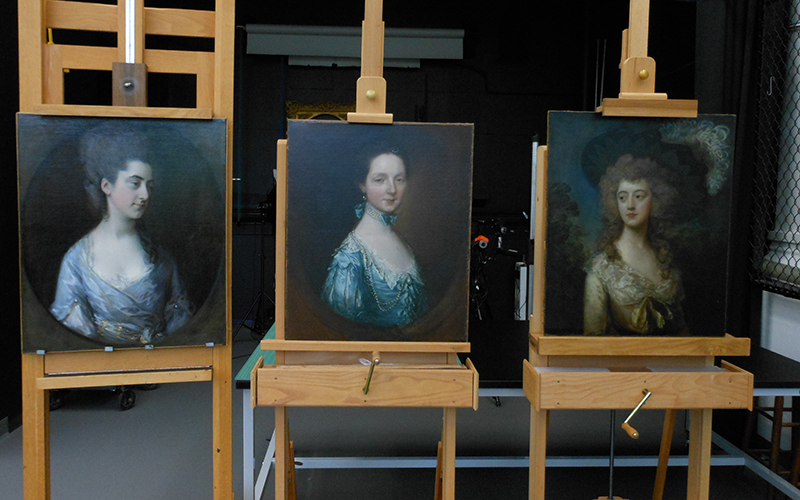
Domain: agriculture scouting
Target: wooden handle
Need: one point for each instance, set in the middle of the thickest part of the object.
(630, 430)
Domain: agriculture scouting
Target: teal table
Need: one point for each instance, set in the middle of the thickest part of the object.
(254, 491)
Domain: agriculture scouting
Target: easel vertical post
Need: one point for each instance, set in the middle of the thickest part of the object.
(539, 418)
(35, 430)
(372, 39)
(282, 486)
(222, 421)
(35, 402)
(371, 86)
(637, 71)
(282, 455)
(53, 92)
(32, 37)
(698, 483)
(222, 375)
(537, 309)
(280, 246)
(449, 454)
(638, 29)
(637, 85)
(538, 453)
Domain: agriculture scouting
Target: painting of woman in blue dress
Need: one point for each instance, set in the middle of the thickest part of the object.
(378, 223)
(122, 232)
(373, 277)
(115, 284)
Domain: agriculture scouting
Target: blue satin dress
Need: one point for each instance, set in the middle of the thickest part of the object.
(130, 314)
(363, 288)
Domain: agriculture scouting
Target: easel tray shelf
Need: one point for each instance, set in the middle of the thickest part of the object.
(726, 387)
(441, 386)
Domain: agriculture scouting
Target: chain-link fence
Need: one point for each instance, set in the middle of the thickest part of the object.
(776, 196)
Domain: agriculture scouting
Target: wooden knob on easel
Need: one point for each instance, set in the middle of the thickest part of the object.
(630, 430)
(644, 74)
(625, 425)
(371, 94)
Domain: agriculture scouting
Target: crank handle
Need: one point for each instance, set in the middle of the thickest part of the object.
(376, 360)
(633, 433)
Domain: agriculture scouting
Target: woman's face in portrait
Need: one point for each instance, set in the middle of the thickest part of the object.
(130, 192)
(385, 182)
(634, 202)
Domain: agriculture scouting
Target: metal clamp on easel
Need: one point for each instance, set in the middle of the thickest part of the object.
(129, 78)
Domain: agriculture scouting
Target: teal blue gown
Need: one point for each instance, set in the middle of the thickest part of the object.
(363, 288)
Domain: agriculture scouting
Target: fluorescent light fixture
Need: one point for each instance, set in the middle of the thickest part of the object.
(341, 46)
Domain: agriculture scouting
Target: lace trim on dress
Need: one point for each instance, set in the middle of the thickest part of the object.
(388, 273)
(628, 286)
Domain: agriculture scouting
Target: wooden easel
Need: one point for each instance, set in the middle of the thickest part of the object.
(42, 67)
(316, 373)
(608, 371)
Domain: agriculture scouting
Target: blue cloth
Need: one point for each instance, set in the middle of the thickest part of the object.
(362, 288)
(140, 313)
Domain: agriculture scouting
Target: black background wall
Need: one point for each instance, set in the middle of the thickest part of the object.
(521, 59)
(10, 362)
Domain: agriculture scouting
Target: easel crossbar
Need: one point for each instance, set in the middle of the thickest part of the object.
(158, 21)
(645, 346)
(122, 111)
(125, 378)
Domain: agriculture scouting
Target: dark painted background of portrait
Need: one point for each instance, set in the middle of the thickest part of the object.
(700, 242)
(185, 215)
(434, 218)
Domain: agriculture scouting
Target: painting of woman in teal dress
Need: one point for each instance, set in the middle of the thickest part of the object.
(378, 231)
(374, 277)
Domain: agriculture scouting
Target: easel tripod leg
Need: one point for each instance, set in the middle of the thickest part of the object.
(35, 430)
(663, 455)
(292, 474)
(437, 495)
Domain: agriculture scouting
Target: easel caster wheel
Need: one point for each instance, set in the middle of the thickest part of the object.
(126, 399)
